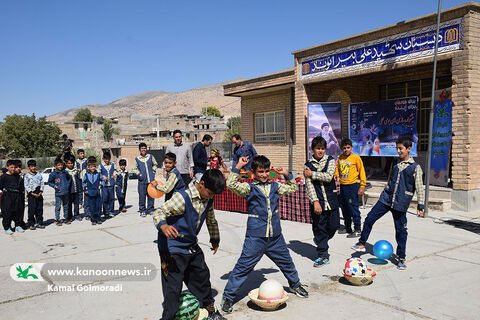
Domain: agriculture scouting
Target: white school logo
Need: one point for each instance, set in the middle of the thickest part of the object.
(26, 271)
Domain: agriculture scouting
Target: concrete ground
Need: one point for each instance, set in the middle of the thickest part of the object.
(442, 280)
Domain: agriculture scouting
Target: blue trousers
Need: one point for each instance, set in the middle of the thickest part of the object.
(61, 200)
(142, 193)
(108, 199)
(253, 250)
(324, 226)
(400, 220)
(349, 204)
(94, 207)
(74, 205)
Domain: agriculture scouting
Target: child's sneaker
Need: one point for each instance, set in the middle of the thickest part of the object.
(359, 247)
(32, 227)
(300, 291)
(94, 223)
(124, 210)
(40, 226)
(402, 264)
(143, 214)
(355, 234)
(215, 315)
(9, 231)
(99, 222)
(58, 222)
(67, 221)
(19, 229)
(320, 262)
(111, 215)
(78, 218)
(227, 305)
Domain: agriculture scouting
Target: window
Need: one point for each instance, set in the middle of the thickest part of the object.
(270, 126)
(421, 89)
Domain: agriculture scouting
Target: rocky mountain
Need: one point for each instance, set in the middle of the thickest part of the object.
(164, 103)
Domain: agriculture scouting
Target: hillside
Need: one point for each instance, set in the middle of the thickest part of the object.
(162, 102)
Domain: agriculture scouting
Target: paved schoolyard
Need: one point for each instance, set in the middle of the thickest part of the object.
(441, 282)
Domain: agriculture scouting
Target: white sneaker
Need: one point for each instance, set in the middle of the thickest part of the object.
(9, 231)
(19, 229)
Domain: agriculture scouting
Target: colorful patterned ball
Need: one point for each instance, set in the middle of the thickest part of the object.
(355, 267)
(188, 307)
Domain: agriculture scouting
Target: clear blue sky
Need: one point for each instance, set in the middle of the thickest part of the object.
(56, 55)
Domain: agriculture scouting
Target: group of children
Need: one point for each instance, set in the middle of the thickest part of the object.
(76, 182)
(180, 219)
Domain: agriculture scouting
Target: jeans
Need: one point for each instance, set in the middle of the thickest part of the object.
(61, 200)
(349, 204)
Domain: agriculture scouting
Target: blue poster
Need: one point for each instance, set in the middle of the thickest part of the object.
(374, 127)
(441, 137)
(324, 119)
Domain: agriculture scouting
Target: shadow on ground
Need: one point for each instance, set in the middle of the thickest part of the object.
(255, 278)
(465, 225)
(306, 250)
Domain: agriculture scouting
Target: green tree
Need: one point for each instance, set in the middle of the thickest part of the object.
(100, 120)
(211, 111)
(234, 125)
(108, 130)
(26, 136)
(83, 115)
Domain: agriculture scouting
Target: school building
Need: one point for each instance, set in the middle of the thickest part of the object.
(274, 106)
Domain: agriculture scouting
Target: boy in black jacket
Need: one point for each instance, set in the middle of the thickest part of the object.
(13, 198)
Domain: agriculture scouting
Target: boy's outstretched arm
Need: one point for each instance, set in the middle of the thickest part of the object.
(169, 185)
(241, 189)
(212, 226)
(420, 191)
(173, 207)
(290, 186)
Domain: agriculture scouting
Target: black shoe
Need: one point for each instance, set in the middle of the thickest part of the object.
(344, 231)
(227, 305)
(354, 234)
(78, 218)
(300, 291)
(32, 227)
(94, 223)
(99, 222)
(143, 214)
(40, 226)
(215, 315)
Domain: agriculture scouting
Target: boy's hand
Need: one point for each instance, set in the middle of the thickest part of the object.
(105, 178)
(214, 248)
(165, 173)
(114, 176)
(242, 162)
(307, 173)
(361, 191)
(317, 208)
(169, 231)
(420, 213)
(154, 183)
(282, 171)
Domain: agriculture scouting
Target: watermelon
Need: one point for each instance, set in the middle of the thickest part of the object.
(187, 307)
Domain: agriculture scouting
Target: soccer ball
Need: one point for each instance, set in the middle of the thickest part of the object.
(355, 267)
(270, 290)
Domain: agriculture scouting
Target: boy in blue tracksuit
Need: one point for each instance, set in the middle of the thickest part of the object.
(107, 170)
(75, 189)
(121, 185)
(178, 222)
(60, 180)
(405, 178)
(264, 233)
(145, 166)
(92, 186)
(174, 178)
(322, 192)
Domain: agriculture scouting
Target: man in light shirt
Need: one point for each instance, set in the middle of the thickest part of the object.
(183, 152)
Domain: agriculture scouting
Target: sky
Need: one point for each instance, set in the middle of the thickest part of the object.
(56, 55)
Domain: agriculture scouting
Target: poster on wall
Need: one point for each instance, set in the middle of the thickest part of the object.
(324, 119)
(374, 127)
(441, 137)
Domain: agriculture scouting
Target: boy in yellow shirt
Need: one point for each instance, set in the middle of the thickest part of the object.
(350, 170)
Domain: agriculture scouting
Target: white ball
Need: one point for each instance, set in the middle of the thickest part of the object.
(270, 290)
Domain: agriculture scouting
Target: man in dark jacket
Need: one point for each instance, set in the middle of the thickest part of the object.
(200, 158)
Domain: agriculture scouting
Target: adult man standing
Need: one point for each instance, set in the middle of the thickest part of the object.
(200, 158)
(183, 152)
(242, 149)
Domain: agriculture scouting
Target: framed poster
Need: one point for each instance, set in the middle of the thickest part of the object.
(374, 127)
(324, 119)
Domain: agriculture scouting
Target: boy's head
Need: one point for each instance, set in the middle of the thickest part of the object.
(92, 164)
(70, 163)
(58, 164)
(10, 166)
(107, 157)
(18, 166)
(142, 147)
(347, 146)
(211, 183)
(319, 144)
(261, 168)
(64, 137)
(170, 160)
(32, 165)
(81, 154)
(404, 146)
(122, 163)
